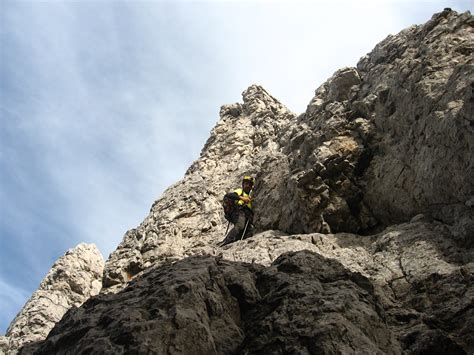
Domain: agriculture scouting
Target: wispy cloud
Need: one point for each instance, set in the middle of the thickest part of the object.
(11, 299)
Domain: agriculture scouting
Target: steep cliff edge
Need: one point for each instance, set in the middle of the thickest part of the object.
(364, 220)
(73, 279)
(377, 145)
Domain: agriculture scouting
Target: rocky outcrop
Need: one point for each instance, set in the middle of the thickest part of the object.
(385, 141)
(309, 293)
(364, 220)
(74, 278)
(423, 114)
(204, 305)
(187, 220)
(378, 144)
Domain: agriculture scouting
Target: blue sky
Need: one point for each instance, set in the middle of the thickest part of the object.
(104, 104)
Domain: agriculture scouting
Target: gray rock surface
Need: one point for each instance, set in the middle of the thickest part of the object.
(424, 280)
(310, 293)
(189, 214)
(423, 115)
(378, 144)
(389, 139)
(364, 222)
(206, 305)
(74, 278)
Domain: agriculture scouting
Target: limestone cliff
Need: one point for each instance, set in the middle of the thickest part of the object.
(364, 221)
(73, 279)
(378, 144)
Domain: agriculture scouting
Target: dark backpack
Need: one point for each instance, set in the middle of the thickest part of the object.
(229, 207)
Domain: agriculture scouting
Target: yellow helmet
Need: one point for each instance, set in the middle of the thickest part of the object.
(248, 178)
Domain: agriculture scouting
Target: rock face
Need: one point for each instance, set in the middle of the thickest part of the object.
(423, 114)
(204, 305)
(74, 278)
(364, 222)
(408, 289)
(385, 141)
(378, 144)
(187, 220)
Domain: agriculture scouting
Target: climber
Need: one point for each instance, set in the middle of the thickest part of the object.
(238, 210)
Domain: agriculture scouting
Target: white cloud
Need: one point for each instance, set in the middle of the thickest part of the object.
(12, 300)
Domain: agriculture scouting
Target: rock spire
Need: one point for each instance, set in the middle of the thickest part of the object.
(74, 278)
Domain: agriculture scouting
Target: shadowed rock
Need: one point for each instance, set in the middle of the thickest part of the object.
(202, 305)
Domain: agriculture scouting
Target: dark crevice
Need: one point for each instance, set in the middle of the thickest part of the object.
(238, 292)
(363, 162)
(391, 109)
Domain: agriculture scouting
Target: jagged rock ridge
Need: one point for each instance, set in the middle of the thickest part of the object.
(377, 145)
(73, 279)
(187, 220)
(384, 150)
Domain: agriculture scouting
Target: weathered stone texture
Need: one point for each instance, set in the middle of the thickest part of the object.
(364, 222)
(73, 279)
(204, 305)
(383, 143)
(391, 139)
(423, 80)
(189, 214)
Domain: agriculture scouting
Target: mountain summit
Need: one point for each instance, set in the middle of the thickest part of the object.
(364, 223)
